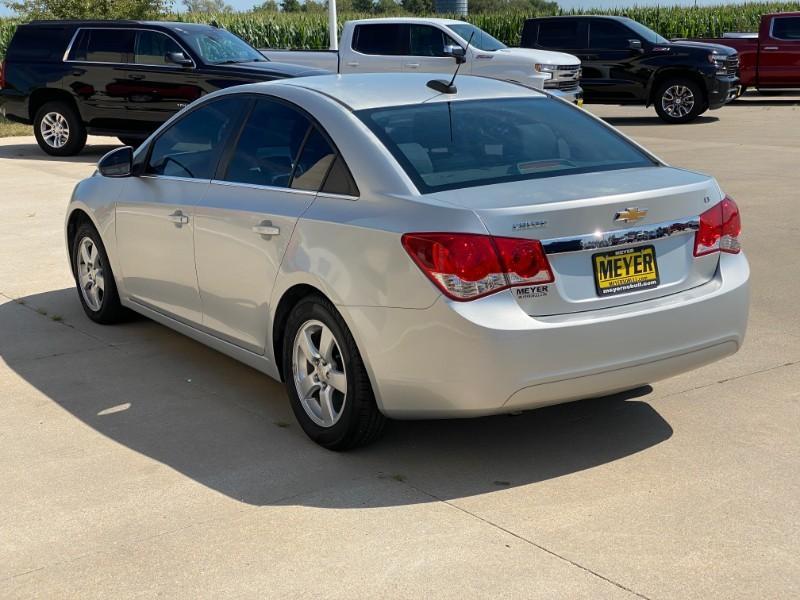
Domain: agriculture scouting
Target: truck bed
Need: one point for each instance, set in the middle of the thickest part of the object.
(321, 59)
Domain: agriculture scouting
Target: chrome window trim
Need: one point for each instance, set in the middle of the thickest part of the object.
(338, 196)
(601, 240)
(772, 26)
(267, 188)
(172, 178)
(130, 64)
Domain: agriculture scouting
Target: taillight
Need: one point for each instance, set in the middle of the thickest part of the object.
(719, 230)
(466, 266)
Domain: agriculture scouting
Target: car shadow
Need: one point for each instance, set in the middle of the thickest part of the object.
(654, 120)
(228, 427)
(31, 151)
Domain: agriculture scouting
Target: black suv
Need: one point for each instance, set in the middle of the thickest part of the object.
(120, 78)
(624, 62)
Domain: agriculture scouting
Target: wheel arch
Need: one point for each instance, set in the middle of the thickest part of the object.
(667, 73)
(76, 217)
(44, 95)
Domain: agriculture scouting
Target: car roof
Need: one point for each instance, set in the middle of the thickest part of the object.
(376, 90)
(121, 23)
(607, 17)
(412, 20)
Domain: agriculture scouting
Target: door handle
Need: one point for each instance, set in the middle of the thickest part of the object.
(352, 64)
(178, 218)
(267, 228)
(136, 77)
(412, 65)
(771, 48)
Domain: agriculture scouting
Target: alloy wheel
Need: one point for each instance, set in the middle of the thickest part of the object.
(677, 101)
(319, 373)
(91, 276)
(54, 129)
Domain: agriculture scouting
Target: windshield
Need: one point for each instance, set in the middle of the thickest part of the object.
(220, 47)
(481, 40)
(467, 143)
(646, 33)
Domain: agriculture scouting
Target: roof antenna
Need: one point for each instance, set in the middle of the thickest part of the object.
(442, 86)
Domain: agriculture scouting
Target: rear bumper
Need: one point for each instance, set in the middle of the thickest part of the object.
(14, 106)
(488, 356)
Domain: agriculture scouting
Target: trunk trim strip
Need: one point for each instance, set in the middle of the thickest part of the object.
(620, 237)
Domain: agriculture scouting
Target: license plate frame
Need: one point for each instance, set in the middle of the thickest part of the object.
(611, 286)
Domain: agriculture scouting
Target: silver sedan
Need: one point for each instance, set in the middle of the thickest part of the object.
(389, 250)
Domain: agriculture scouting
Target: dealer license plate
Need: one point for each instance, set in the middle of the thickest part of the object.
(627, 270)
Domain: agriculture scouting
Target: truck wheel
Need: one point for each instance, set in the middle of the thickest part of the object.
(58, 129)
(326, 381)
(679, 101)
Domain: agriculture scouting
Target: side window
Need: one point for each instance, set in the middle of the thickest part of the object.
(152, 48)
(266, 151)
(385, 39)
(786, 28)
(608, 35)
(314, 162)
(31, 43)
(339, 180)
(561, 33)
(104, 45)
(428, 41)
(191, 146)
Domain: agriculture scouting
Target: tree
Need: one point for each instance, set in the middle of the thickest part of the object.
(532, 7)
(421, 7)
(88, 9)
(387, 7)
(268, 6)
(363, 6)
(207, 6)
(290, 6)
(310, 6)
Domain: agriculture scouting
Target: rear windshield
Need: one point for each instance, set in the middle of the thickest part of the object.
(468, 143)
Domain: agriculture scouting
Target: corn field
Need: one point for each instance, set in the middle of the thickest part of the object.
(304, 30)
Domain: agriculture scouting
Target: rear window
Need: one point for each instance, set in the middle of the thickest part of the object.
(562, 33)
(39, 43)
(385, 39)
(468, 143)
(103, 46)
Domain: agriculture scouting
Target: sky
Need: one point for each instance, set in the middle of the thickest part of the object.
(246, 4)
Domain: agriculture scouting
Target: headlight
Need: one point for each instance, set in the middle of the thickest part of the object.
(719, 62)
(546, 70)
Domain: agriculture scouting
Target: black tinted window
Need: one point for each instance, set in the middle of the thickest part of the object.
(448, 145)
(429, 41)
(191, 146)
(561, 33)
(104, 45)
(269, 145)
(39, 43)
(608, 35)
(339, 180)
(386, 39)
(152, 48)
(786, 28)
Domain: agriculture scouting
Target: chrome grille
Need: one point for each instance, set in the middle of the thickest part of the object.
(566, 86)
(732, 66)
(565, 78)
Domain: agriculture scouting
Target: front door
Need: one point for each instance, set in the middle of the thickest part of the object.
(155, 214)
(245, 222)
(608, 70)
(779, 55)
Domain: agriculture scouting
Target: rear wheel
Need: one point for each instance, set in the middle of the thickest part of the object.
(58, 129)
(679, 101)
(326, 381)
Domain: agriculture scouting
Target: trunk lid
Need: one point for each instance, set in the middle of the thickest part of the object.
(579, 217)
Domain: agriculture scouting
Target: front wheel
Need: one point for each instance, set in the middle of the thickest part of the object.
(58, 129)
(327, 383)
(679, 101)
(94, 279)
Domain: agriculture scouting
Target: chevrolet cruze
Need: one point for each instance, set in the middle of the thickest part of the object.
(389, 250)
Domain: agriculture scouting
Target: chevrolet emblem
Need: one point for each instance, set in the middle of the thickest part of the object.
(629, 215)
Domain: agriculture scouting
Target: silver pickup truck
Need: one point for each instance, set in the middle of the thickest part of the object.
(421, 45)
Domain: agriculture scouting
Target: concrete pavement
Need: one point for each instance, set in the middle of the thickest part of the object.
(137, 463)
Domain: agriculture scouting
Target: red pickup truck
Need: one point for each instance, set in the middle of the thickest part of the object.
(770, 59)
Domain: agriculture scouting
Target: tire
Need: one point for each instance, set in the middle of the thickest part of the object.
(58, 129)
(99, 297)
(352, 418)
(130, 141)
(679, 101)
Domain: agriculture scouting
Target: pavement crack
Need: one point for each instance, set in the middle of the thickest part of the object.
(530, 542)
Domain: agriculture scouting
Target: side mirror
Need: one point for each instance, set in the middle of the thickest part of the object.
(457, 52)
(178, 58)
(635, 45)
(117, 163)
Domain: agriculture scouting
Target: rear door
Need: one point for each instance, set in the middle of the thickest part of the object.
(99, 59)
(244, 224)
(779, 55)
(376, 48)
(426, 50)
(155, 213)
